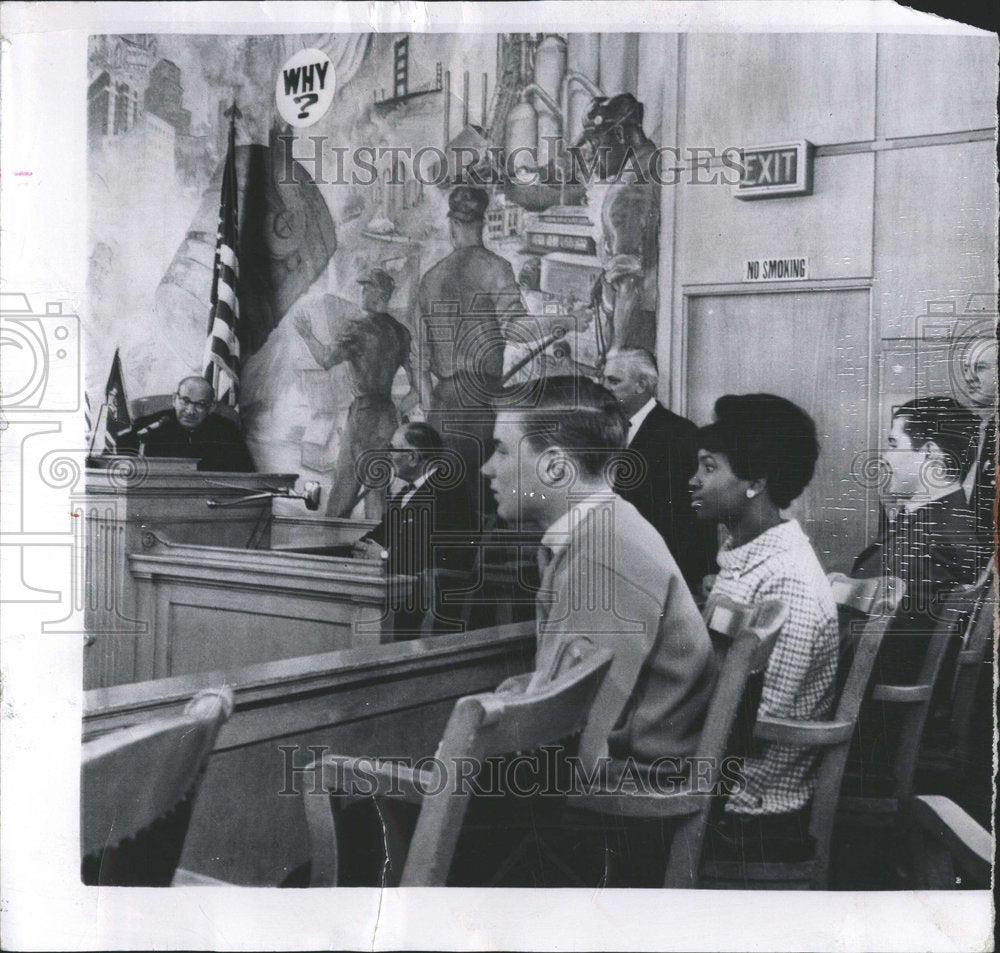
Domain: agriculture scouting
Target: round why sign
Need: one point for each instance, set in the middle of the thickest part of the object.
(305, 88)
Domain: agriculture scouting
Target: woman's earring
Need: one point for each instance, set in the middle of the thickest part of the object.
(751, 493)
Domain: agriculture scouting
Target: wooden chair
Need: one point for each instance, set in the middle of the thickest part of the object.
(877, 797)
(865, 607)
(138, 786)
(949, 762)
(744, 638)
(954, 851)
(878, 800)
(481, 727)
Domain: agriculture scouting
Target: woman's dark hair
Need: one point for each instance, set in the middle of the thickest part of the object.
(953, 427)
(764, 436)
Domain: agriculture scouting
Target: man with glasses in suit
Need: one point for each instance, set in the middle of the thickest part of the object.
(425, 529)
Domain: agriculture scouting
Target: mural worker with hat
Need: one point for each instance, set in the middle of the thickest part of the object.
(374, 345)
(462, 304)
(626, 194)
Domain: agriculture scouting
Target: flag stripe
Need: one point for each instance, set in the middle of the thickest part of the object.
(222, 348)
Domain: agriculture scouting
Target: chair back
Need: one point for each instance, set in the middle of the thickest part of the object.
(916, 698)
(976, 644)
(950, 842)
(488, 725)
(744, 637)
(871, 602)
(137, 789)
(862, 604)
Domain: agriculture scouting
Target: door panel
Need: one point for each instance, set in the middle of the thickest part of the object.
(813, 348)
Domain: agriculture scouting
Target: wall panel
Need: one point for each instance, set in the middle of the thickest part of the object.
(752, 88)
(932, 84)
(935, 230)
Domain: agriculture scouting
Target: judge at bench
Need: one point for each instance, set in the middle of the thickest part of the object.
(191, 430)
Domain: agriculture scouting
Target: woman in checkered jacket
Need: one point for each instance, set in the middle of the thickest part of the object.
(753, 461)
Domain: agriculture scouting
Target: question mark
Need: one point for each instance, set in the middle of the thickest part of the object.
(306, 101)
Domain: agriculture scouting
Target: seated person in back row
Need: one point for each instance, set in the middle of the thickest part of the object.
(928, 533)
(756, 458)
(191, 430)
(606, 573)
(928, 539)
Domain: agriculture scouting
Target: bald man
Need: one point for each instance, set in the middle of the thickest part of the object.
(191, 430)
(664, 441)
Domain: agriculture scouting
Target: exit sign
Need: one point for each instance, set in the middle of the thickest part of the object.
(776, 170)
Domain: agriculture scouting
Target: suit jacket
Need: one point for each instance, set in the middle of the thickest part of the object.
(666, 443)
(615, 583)
(217, 443)
(432, 530)
(934, 549)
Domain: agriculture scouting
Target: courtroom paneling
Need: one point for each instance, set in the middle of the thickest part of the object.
(753, 88)
(812, 325)
(289, 532)
(657, 87)
(211, 636)
(215, 608)
(934, 84)
(831, 227)
(935, 231)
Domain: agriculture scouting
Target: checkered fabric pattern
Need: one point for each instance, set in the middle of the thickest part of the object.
(800, 676)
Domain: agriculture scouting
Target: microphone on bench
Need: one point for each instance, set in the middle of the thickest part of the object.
(153, 425)
(310, 495)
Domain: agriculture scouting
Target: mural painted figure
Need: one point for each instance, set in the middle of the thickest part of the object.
(374, 346)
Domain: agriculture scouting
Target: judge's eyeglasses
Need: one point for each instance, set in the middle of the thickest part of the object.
(197, 404)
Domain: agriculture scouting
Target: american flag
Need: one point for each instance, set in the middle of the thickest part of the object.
(222, 349)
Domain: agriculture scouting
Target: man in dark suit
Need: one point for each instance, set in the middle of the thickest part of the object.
(656, 483)
(191, 430)
(426, 527)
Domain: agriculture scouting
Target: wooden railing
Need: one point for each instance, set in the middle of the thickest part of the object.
(389, 700)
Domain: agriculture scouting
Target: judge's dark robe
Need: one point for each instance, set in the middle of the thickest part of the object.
(217, 442)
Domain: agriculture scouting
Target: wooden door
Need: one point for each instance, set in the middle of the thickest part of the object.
(813, 348)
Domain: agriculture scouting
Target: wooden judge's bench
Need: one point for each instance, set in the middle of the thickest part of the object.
(174, 585)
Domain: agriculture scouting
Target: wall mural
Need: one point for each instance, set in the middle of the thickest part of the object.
(367, 166)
